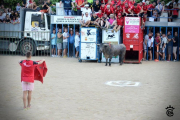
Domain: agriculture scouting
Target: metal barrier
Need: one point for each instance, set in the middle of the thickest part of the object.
(164, 29)
(19, 42)
(61, 26)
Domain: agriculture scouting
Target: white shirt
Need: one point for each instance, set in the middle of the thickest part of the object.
(164, 41)
(86, 10)
(86, 18)
(77, 39)
(65, 34)
(150, 41)
(146, 38)
(2, 17)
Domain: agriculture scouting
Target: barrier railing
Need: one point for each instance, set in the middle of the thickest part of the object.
(19, 42)
(165, 31)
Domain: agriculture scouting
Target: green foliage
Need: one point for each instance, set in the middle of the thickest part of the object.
(12, 3)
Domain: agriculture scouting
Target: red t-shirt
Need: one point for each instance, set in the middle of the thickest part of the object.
(119, 11)
(113, 9)
(175, 11)
(27, 70)
(79, 2)
(151, 6)
(136, 10)
(112, 2)
(126, 9)
(144, 19)
(104, 1)
(102, 9)
(108, 11)
(120, 21)
(30, 1)
(145, 8)
(130, 3)
(100, 15)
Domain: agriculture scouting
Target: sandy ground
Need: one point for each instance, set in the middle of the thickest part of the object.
(77, 91)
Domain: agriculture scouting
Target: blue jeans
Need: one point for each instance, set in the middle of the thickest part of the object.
(67, 12)
(74, 12)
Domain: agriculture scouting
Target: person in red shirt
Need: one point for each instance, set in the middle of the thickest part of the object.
(125, 10)
(119, 10)
(120, 22)
(109, 3)
(145, 7)
(175, 12)
(27, 77)
(108, 11)
(121, 3)
(130, 2)
(118, 2)
(136, 10)
(114, 8)
(102, 8)
(144, 20)
(99, 15)
(150, 8)
(80, 3)
(104, 1)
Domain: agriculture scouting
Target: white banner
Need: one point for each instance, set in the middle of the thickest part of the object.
(132, 21)
(66, 19)
(88, 51)
(88, 34)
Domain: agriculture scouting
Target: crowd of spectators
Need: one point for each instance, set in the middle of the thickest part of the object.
(162, 45)
(115, 10)
(60, 43)
(9, 16)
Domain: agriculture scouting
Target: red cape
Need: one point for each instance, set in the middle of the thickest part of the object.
(40, 71)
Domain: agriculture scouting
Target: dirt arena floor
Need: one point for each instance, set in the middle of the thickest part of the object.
(77, 91)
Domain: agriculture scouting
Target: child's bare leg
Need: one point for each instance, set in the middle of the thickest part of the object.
(102, 23)
(114, 22)
(24, 98)
(115, 27)
(29, 98)
(119, 27)
(77, 54)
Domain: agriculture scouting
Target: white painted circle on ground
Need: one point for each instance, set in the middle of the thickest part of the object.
(123, 83)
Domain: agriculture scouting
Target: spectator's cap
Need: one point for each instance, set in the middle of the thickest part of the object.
(108, 6)
(147, 2)
(119, 14)
(86, 5)
(111, 15)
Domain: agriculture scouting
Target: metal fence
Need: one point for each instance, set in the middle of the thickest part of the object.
(164, 29)
(19, 42)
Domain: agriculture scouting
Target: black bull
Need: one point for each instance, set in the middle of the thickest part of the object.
(110, 50)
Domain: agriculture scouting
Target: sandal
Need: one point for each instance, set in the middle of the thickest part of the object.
(28, 107)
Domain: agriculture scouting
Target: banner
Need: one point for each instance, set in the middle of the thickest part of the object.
(88, 35)
(65, 19)
(88, 44)
(132, 24)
